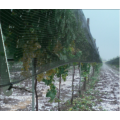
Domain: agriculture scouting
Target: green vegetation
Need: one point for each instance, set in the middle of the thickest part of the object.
(49, 36)
(114, 62)
(85, 102)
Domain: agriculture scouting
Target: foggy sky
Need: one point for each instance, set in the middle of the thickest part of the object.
(104, 27)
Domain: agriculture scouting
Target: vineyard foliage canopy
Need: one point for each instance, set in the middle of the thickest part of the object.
(54, 37)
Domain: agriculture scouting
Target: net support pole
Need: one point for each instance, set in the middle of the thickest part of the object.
(59, 93)
(73, 72)
(33, 84)
(88, 78)
(84, 84)
(93, 70)
(4, 67)
(80, 78)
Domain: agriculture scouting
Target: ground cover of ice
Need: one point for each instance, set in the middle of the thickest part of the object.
(109, 89)
(21, 100)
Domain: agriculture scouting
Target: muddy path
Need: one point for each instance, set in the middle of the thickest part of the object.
(109, 88)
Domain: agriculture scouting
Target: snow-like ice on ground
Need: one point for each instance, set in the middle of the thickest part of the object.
(109, 83)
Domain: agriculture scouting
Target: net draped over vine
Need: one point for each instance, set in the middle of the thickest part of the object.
(114, 61)
(53, 37)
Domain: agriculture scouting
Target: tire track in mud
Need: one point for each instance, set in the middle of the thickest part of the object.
(108, 86)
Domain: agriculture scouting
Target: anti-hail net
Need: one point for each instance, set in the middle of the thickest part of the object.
(51, 37)
(114, 61)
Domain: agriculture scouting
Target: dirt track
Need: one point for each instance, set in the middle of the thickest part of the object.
(22, 101)
(109, 87)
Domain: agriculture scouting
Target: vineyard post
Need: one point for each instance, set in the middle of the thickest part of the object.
(79, 68)
(59, 93)
(33, 84)
(88, 78)
(72, 84)
(93, 70)
(84, 86)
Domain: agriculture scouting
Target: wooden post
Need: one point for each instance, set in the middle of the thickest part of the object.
(59, 93)
(84, 85)
(72, 84)
(35, 86)
(79, 68)
(93, 70)
(88, 22)
(88, 78)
